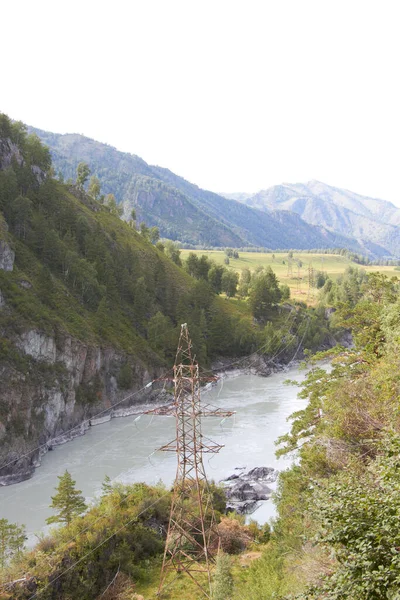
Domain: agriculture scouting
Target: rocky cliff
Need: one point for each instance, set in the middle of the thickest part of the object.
(7, 256)
(60, 385)
(72, 316)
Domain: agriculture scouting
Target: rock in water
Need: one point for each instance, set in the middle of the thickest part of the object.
(265, 473)
(245, 491)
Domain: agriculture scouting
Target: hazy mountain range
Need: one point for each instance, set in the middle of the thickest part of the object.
(373, 222)
(301, 216)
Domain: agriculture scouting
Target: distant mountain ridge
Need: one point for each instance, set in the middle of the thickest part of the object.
(374, 223)
(182, 210)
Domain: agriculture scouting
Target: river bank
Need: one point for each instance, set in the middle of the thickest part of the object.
(126, 449)
(152, 395)
(148, 398)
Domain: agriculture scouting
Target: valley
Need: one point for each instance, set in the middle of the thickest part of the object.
(125, 448)
(280, 218)
(287, 268)
(199, 301)
(92, 303)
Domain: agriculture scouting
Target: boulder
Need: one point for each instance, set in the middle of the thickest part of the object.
(245, 491)
(7, 256)
(263, 473)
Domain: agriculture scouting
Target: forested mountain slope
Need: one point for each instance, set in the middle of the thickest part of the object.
(374, 223)
(182, 210)
(89, 309)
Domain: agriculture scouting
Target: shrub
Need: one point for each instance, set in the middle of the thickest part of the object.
(223, 581)
(235, 537)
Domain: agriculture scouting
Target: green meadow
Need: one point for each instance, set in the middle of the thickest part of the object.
(293, 272)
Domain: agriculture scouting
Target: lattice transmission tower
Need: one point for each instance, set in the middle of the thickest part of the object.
(289, 268)
(311, 279)
(192, 538)
(299, 277)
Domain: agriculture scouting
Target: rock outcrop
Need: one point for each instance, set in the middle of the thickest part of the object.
(63, 384)
(9, 151)
(7, 254)
(244, 491)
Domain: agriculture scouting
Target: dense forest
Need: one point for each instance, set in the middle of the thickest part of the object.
(93, 274)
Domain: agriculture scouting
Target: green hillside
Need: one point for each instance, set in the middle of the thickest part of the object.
(89, 308)
(336, 534)
(87, 272)
(90, 311)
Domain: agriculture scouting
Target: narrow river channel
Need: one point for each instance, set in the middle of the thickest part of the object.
(122, 448)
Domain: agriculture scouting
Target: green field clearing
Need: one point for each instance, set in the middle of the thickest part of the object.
(297, 280)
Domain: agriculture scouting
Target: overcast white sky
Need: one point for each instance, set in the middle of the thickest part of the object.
(233, 96)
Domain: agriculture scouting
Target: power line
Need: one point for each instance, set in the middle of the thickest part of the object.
(281, 350)
(81, 425)
(148, 385)
(253, 354)
(124, 499)
(90, 448)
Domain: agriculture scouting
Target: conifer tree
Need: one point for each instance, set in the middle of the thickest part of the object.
(106, 486)
(12, 539)
(68, 501)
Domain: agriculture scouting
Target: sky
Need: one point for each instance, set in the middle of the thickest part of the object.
(235, 96)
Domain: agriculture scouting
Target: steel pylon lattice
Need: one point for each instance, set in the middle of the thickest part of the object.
(311, 279)
(192, 539)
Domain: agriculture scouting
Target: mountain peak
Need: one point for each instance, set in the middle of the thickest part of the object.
(369, 220)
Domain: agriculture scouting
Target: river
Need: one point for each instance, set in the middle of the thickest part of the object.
(124, 448)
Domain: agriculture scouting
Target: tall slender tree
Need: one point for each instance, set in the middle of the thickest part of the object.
(94, 187)
(68, 501)
(12, 539)
(82, 174)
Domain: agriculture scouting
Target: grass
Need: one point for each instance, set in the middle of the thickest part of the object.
(176, 585)
(297, 280)
(183, 588)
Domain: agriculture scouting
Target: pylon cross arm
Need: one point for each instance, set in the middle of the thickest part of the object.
(212, 449)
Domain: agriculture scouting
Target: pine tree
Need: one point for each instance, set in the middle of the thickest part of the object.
(12, 539)
(106, 486)
(68, 501)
